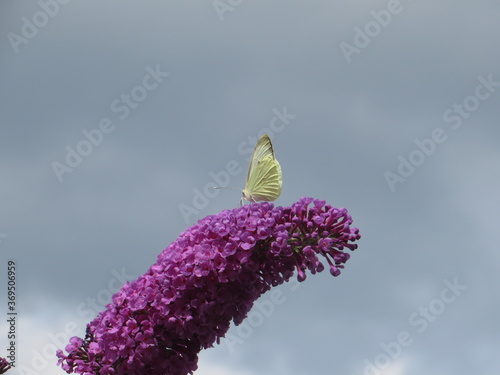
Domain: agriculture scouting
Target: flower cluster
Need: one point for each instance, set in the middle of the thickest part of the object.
(4, 365)
(209, 276)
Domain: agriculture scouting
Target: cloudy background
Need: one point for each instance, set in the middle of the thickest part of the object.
(357, 106)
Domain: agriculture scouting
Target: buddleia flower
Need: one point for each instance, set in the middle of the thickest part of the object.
(207, 278)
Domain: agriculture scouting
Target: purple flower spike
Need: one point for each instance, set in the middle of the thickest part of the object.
(209, 276)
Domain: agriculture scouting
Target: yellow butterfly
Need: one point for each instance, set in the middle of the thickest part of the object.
(264, 176)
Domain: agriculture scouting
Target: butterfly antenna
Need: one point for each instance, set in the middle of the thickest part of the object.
(228, 188)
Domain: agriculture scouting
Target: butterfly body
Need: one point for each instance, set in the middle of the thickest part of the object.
(264, 178)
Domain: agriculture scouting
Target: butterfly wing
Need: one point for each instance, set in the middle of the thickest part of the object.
(264, 147)
(264, 177)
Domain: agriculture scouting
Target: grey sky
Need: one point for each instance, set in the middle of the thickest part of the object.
(428, 75)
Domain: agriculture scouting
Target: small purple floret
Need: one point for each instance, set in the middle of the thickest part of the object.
(4, 365)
